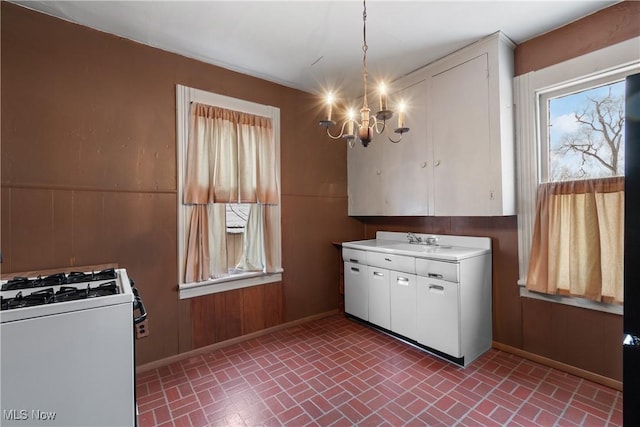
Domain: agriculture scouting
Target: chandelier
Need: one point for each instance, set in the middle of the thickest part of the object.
(367, 124)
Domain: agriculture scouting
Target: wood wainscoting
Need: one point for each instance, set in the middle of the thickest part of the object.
(225, 315)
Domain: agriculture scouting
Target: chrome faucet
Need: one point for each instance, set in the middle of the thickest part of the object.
(413, 238)
(431, 240)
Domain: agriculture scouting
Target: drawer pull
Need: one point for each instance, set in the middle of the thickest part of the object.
(435, 275)
(353, 260)
(375, 273)
(437, 288)
(357, 270)
(403, 281)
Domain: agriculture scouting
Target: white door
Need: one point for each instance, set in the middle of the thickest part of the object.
(406, 172)
(438, 316)
(402, 290)
(365, 177)
(379, 305)
(461, 139)
(356, 290)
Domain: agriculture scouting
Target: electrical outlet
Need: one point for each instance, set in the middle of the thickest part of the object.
(142, 329)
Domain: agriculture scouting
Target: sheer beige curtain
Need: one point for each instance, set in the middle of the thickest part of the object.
(230, 159)
(578, 240)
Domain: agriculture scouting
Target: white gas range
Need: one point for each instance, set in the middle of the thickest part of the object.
(67, 350)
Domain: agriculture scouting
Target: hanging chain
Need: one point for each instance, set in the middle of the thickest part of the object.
(364, 50)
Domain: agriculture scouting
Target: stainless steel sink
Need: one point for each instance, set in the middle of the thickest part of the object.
(421, 248)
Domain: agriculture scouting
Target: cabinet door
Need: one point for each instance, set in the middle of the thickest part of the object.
(438, 316)
(379, 304)
(402, 289)
(386, 178)
(406, 177)
(356, 290)
(459, 118)
(365, 178)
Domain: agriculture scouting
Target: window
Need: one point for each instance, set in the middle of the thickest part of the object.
(582, 131)
(228, 193)
(545, 129)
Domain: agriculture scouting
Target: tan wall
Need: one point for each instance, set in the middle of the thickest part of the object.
(89, 173)
(609, 26)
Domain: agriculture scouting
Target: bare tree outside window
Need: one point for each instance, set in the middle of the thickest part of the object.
(586, 134)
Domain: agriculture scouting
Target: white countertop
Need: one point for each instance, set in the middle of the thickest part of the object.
(449, 248)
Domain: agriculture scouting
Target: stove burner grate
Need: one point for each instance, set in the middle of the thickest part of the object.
(58, 279)
(43, 296)
(65, 293)
(108, 288)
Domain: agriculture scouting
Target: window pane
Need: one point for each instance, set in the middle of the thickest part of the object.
(237, 215)
(586, 133)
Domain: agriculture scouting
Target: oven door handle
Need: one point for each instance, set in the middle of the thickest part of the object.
(138, 305)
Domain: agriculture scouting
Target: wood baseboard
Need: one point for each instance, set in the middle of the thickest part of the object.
(216, 346)
(587, 375)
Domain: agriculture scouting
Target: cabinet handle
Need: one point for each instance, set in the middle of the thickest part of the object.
(403, 281)
(436, 287)
(353, 260)
(357, 270)
(375, 273)
(435, 275)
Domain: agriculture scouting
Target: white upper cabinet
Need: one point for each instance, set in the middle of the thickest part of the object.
(389, 178)
(458, 158)
(470, 115)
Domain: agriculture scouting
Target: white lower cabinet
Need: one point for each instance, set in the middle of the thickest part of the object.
(356, 290)
(438, 315)
(379, 308)
(441, 304)
(402, 293)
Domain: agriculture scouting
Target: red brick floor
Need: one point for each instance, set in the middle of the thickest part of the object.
(337, 372)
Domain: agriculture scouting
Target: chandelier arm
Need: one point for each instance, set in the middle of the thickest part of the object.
(377, 123)
(395, 141)
(341, 134)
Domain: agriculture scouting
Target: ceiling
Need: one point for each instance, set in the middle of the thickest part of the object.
(317, 45)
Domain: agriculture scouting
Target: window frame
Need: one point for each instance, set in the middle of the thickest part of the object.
(184, 97)
(528, 90)
(581, 85)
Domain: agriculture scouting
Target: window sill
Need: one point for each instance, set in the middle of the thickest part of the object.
(238, 281)
(573, 301)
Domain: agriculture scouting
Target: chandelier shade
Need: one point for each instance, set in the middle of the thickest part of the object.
(368, 124)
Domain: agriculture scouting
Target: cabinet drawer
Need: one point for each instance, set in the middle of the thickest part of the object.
(437, 269)
(354, 255)
(392, 262)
